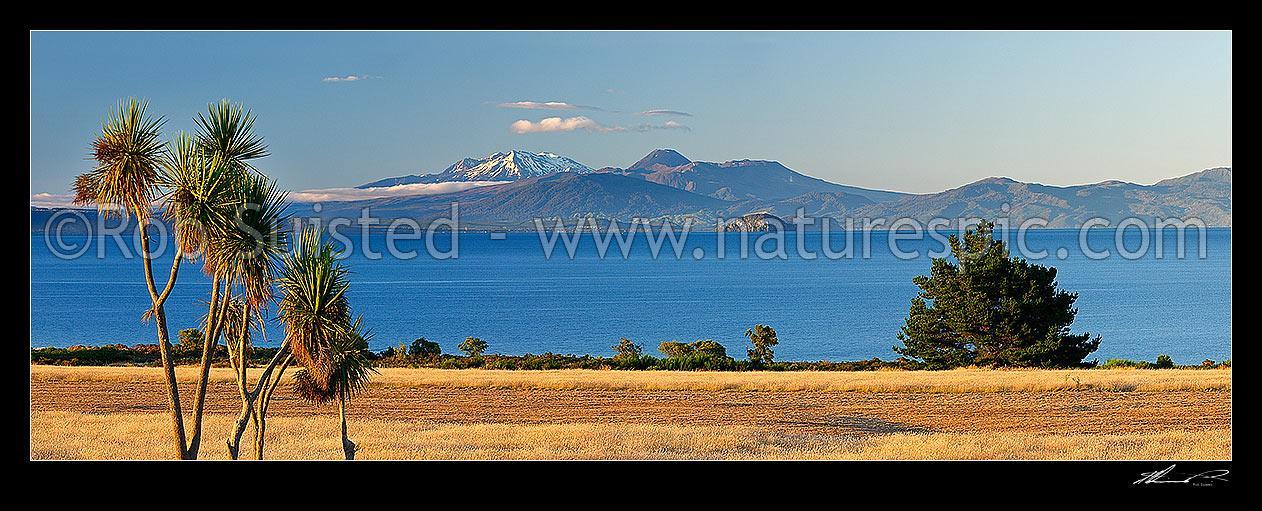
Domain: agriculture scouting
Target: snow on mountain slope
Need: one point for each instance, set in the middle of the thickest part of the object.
(515, 165)
(503, 166)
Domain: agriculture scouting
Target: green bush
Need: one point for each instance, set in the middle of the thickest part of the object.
(422, 348)
(1120, 363)
(191, 339)
(708, 347)
(697, 362)
(472, 346)
(82, 355)
(674, 349)
(637, 362)
(627, 350)
(763, 338)
(1163, 362)
(500, 363)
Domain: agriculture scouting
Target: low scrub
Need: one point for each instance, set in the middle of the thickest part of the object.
(1162, 362)
(701, 357)
(138, 355)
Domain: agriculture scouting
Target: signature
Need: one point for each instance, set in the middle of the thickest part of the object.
(1205, 478)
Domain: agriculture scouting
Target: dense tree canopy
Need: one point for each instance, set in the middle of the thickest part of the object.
(991, 310)
(472, 346)
(763, 338)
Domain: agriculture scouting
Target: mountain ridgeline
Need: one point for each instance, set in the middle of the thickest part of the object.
(665, 185)
(513, 188)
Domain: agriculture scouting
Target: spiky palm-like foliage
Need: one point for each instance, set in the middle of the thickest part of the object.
(350, 367)
(129, 154)
(201, 194)
(228, 132)
(245, 255)
(205, 173)
(245, 252)
(313, 304)
(348, 357)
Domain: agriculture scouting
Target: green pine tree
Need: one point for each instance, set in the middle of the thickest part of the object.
(992, 310)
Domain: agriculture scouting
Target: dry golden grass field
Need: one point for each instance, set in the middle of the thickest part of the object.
(119, 413)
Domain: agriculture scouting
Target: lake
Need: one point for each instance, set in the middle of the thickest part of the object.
(506, 292)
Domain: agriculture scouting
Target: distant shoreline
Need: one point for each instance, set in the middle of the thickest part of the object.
(146, 355)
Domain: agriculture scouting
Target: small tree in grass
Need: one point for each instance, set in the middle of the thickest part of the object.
(473, 346)
(424, 348)
(991, 310)
(627, 349)
(190, 339)
(763, 338)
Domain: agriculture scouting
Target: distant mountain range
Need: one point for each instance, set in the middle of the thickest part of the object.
(667, 186)
(738, 180)
(1205, 195)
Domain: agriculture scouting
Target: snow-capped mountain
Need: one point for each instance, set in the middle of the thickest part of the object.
(504, 166)
(512, 166)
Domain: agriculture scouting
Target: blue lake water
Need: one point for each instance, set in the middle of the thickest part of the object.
(509, 294)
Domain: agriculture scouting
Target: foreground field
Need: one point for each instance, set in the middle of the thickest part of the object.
(118, 413)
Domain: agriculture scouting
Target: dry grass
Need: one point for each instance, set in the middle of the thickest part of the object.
(119, 413)
(76, 435)
(960, 380)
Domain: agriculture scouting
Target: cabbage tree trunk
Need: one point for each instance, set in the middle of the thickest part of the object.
(264, 401)
(214, 323)
(254, 402)
(348, 447)
(164, 340)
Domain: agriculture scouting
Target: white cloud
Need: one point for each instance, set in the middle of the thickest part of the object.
(546, 105)
(352, 194)
(557, 124)
(48, 200)
(348, 78)
(664, 112)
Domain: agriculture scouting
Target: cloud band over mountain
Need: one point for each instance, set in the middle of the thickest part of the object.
(353, 194)
(559, 125)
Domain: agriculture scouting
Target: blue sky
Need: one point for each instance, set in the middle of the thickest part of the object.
(910, 111)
